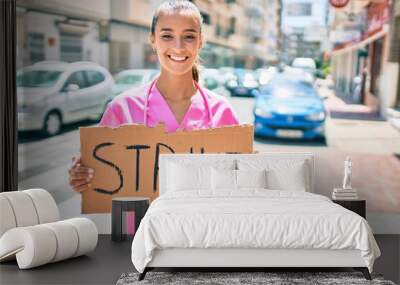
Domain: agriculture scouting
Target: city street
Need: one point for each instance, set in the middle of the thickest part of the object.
(352, 130)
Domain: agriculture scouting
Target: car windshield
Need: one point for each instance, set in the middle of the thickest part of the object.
(38, 78)
(129, 79)
(288, 89)
(304, 63)
(245, 76)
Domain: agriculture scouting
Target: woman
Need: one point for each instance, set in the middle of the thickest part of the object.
(174, 98)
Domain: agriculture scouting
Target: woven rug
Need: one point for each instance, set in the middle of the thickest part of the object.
(243, 278)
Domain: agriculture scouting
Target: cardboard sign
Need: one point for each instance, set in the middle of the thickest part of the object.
(125, 159)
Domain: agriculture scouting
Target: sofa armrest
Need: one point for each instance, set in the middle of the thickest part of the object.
(40, 244)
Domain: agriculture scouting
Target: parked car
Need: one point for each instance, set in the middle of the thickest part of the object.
(213, 80)
(243, 84)
(210, 78)
(307, 64)
(289, 108)
(51, 94)
(227, 73)
(131, 78)
(265, 74)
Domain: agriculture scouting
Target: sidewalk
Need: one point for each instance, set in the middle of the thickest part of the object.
(373, 144)
(339, 109)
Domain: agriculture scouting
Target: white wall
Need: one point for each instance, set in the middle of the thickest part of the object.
(388, 86)
(137, 37)
(85, 8)
(93, 50)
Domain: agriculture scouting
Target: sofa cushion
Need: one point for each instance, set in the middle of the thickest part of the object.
(7, 215)
(27, 208)
(40, 244)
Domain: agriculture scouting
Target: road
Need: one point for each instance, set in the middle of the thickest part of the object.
(371, 142)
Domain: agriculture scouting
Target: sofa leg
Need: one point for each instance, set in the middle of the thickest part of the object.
(143, 274)
(364, 271)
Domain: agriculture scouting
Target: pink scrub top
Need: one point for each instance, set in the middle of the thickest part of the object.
(128, 108)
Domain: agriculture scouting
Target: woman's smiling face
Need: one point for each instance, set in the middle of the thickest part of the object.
(177, 41)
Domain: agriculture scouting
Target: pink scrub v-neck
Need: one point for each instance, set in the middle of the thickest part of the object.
(165, 114)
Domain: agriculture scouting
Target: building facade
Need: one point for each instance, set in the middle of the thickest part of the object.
(238, 32)
(304, 27)
(365, 63)
(115, 33)
(394, 56)
(62, 31)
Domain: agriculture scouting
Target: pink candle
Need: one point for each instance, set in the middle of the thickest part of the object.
(130, 223)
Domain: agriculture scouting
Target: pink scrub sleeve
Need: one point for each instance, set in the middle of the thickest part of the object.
(126, 108)
(110, 118)
(222, 111)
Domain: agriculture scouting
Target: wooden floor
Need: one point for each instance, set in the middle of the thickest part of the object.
(110, 260)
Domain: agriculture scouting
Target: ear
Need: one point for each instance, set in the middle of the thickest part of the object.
(202, 42)
(151, 40)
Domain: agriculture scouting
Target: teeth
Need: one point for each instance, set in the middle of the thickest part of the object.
(177, 58)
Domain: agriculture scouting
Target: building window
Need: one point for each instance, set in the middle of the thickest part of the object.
(206, 18)
(71, 47)
(218, 30)
(36, 47)
(232, 25)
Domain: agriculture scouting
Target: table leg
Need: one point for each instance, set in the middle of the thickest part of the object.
(116, 223)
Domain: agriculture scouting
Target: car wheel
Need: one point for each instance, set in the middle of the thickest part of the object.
(52, 124)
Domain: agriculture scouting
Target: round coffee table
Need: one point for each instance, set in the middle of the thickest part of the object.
(120, 205)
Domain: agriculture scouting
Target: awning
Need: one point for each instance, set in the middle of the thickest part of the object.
(73, 29)
(363, 43)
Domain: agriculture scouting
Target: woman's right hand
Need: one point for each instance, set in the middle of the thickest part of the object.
(80, 176)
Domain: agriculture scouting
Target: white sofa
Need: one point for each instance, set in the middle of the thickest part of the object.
(31, 231)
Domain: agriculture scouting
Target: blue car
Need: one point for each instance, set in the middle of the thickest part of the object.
(289, 108)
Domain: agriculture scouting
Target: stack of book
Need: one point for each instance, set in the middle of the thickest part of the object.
(344, 194)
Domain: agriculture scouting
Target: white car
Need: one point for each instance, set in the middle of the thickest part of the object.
(131, 78)
(212, 79)
(51, 94)
(305, 63)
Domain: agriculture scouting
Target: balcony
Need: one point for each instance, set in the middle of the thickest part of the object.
(255, 10)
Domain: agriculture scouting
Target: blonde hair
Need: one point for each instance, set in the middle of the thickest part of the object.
(171, 7)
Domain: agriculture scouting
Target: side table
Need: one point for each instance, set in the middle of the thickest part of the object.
(123, 204)
(357, 206)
